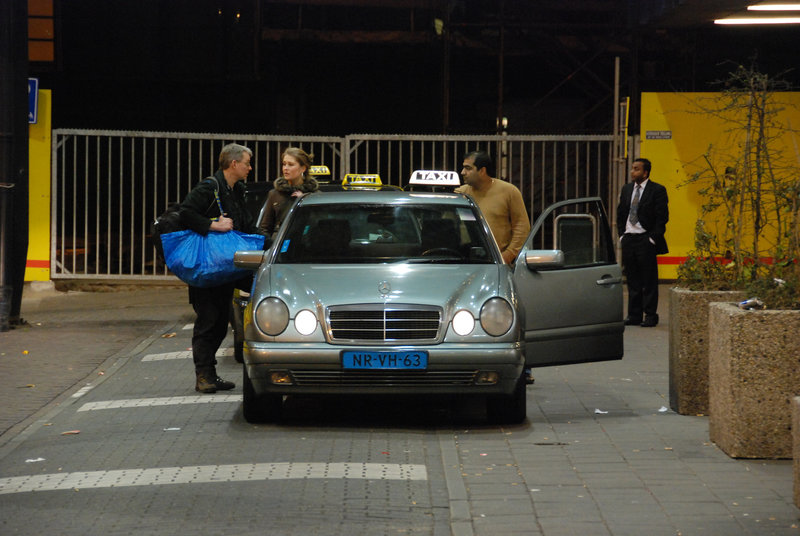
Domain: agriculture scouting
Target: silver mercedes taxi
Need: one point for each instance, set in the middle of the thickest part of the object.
(392, 292)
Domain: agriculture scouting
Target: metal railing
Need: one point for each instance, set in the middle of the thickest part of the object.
(108, 186)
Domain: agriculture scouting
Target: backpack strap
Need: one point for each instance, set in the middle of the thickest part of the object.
(216, 197)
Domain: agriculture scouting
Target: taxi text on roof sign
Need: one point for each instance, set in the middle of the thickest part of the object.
(435, 178)
(319, 170)
(353, 179)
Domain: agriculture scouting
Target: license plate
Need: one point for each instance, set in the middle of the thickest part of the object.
(384, 360)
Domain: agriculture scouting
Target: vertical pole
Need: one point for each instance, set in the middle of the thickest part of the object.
(6, 291)
(14, 152)
(446, 74)
(500, 67)
(617, 170)
(500, 156)
(256, 39)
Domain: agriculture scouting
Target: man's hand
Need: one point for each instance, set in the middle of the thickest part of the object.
(508, 257)
(222, 225)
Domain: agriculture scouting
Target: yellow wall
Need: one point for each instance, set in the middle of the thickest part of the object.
(674, 136)
(38, 265)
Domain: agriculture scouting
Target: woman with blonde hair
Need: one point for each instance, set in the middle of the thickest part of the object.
(294, 183)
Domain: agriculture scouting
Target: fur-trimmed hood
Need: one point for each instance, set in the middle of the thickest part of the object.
(309, 185)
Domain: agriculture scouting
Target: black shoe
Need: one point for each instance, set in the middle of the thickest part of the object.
(630, 321)
(223, 385)
(650, 321)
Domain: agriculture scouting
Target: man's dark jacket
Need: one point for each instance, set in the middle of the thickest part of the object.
(653, 212)
(200, 206)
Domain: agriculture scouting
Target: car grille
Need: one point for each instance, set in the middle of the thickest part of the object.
(378, 379)
(396, 323)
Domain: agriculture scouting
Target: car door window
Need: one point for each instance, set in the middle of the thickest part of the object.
(579, 230)
(570, 285)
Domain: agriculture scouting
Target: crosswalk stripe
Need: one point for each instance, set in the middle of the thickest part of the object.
(161, 401)
(184, 354)
(82, 391)
(200, 474)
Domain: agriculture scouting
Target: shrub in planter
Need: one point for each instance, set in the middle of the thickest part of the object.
(747, 239)
(748, 234)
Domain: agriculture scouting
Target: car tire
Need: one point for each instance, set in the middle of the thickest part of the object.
(238, 336)
(238, 348)
(509, 409)
(259, 408)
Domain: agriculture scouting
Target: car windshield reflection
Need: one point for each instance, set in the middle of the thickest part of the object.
(345, 234)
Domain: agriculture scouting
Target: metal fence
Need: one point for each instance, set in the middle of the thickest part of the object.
(108, 186)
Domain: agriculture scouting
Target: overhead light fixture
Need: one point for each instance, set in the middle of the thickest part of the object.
(758, 20)
(774, 7)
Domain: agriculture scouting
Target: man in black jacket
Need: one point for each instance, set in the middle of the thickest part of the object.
(642, 217)
(200, 212)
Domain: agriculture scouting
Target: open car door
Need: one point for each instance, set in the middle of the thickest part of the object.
(570, 285)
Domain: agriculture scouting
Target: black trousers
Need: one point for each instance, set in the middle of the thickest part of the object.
(640, 265)
(213, 308)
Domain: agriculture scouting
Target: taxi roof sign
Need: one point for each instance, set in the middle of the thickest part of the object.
(435, 178)
(319, 170)
(360, 179)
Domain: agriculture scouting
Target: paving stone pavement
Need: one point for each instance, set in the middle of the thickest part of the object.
(68, 338)
(599, 454)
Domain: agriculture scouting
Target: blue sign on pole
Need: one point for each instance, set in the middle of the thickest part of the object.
(33, 99)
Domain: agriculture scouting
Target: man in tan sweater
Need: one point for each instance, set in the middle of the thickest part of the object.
(501, 203)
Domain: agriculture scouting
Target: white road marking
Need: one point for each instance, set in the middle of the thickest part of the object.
(189, 326)
(200, 474)
(184, 354)
(162, 401)
(82, 391)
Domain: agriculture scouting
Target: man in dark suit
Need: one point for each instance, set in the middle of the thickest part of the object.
(642, 217)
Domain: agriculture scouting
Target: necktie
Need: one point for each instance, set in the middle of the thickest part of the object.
(634, 213)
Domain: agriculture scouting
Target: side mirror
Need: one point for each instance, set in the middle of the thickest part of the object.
(249, 260)
(544, 259)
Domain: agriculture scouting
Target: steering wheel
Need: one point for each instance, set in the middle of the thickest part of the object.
(386, 236)
(435, 251)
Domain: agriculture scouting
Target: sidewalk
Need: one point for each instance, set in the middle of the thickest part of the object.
(601, 453)
(70, 336)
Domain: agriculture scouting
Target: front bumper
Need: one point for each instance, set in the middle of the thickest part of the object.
(317, 369)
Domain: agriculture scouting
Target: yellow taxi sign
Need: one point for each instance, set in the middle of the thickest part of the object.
(319, 170)
(360, 179)
(435, 178)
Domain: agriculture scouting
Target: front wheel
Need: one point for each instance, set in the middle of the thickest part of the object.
(259, 408)
(238, 347)
(509, 409)
(237, 326)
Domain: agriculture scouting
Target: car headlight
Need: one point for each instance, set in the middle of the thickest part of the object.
(305, 322)
(272, 316)
(463, 322)
(497, 315)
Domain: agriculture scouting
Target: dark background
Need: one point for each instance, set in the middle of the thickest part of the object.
(335, 67)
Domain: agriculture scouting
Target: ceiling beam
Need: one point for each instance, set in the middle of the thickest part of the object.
(327, 36)
(398, 4)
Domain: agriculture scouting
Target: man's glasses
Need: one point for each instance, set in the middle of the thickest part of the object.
(246, 164)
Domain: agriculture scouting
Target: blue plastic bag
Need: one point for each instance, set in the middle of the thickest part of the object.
(207, 261)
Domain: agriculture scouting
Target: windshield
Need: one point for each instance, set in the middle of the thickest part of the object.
(343, 234)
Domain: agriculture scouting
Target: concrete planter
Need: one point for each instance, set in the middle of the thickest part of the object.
(796, 450)
(688, 347)
(754, 373)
